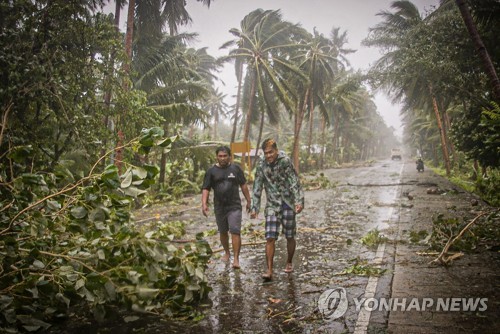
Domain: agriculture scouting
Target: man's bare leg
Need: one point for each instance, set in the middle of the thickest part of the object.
(224, 240)
(290, 248)
(236, 240)
(270, 248)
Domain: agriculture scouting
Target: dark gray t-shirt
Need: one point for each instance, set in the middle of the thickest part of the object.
(226, 183)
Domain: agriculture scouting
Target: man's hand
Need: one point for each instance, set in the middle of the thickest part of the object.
(204, 210)
(298, 208)
(249, 207)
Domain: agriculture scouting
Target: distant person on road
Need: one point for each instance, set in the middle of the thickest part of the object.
(420, 164)
(225, 179)
(284, 199)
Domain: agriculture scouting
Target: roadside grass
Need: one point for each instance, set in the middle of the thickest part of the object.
(486, 187)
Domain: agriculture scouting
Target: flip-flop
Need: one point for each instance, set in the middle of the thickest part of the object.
(288, 270)
(236, 267)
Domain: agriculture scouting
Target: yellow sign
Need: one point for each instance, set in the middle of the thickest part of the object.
(242, 147)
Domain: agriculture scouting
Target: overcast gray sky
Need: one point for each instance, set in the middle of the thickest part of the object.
(354, 16)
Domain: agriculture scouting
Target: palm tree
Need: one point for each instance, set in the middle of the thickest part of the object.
(481, 49)
(263, 50)
(216, 107)
(328, 58)
(343, 102)
(175, 85)
(247, 26)
(318, 60)
(405, 71)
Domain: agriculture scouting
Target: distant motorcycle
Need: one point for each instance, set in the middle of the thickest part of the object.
(420, 165)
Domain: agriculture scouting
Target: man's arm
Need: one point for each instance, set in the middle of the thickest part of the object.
(246, 193)
(204, 202)
(257, 191)
(295, 187)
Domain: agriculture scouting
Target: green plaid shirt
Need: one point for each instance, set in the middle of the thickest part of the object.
(281, 183)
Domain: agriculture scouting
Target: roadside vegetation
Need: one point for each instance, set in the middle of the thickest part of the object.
(95, 123)
(487, 187)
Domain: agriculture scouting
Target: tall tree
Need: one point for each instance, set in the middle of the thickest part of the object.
(406, 70)
(319, 62)
(480, 48)
(247, 26)
(176, 81)
(216, 107)
(264, 52)
(54, 100)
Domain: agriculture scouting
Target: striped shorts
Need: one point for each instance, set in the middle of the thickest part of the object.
(287, 221)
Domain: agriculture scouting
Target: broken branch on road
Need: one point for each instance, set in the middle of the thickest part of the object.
(443, 257)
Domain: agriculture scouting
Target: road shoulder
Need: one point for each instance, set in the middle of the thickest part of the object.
(472, 277)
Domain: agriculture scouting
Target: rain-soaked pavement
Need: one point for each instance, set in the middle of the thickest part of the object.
(328, 242)
(330, 258)
(363, 199)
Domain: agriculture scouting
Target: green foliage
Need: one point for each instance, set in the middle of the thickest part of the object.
(477, 134)
(317, 182)
(373, 238)
(361, 268)
(485, 186)
(57, 60)
(76, 244)
(488, 187)
(178, 181)
(418, 236)
(445, 228)
(170, 230)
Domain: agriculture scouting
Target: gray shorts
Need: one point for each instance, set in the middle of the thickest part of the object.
(229, 221)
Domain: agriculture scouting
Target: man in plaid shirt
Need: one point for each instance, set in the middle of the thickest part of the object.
(284, 199)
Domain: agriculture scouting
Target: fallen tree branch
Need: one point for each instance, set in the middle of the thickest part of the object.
(381, 184)
(392, 184)
(243, 244)
(443, 258)
(166, 215)
(434, 253)
(317, 229)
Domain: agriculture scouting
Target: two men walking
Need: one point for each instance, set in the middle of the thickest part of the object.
(284, 199)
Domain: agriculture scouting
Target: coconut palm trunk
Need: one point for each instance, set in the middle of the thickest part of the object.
(481, 49)
(248, 119)
(444, 142)
(126, 85)
(259, 138)
(311, 123)
(108, 93)
(299, 117)
(238, 101)
(323, 143)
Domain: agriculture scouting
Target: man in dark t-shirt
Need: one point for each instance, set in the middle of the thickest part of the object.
(225, 179)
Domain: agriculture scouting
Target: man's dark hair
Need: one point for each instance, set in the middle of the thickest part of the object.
(269, 142)
(224, 149)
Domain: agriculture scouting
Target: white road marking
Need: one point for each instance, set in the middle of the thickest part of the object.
(371, 287)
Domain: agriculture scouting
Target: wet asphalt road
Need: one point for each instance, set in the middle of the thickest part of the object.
(322, 294)
(328, 242)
